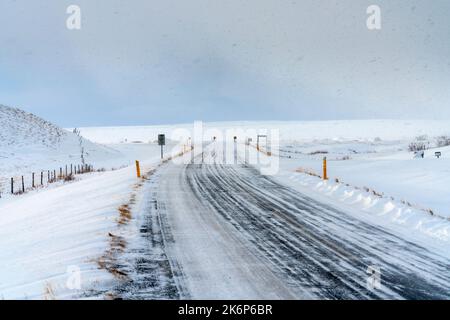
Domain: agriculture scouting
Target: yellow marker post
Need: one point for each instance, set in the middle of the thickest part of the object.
(138, 169)
(325, 176)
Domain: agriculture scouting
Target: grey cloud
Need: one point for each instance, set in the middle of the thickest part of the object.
(138, 62)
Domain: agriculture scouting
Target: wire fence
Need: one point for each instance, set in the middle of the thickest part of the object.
(21, 184)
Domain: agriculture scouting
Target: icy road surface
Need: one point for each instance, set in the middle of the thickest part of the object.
(231, 233)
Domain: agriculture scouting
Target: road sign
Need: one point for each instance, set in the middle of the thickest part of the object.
(162, 139)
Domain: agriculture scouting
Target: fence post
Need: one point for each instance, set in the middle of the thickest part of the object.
(325, 176)
(23, 185)
(12, 185)
(42, 178)
(32, 180)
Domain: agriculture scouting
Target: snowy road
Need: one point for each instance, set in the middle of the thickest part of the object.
(230, 232)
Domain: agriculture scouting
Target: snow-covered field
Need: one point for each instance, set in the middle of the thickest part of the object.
(386, 168)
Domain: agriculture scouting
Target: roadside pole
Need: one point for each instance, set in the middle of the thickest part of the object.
(162, 143)
(138, 169)
(325, 176)
(235, 150)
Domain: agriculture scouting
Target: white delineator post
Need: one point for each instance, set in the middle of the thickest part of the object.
(198, 139)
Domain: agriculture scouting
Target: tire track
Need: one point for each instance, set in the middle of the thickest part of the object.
(314, 245)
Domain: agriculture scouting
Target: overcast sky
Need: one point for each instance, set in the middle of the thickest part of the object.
(143, 62)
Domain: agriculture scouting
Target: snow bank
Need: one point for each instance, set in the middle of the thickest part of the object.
(386, 168)
(382, 209)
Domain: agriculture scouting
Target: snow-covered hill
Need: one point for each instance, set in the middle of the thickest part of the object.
(20, 128)
(29, 143)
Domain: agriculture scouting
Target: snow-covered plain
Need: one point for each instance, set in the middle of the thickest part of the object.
(388, 169)
(365, 131)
